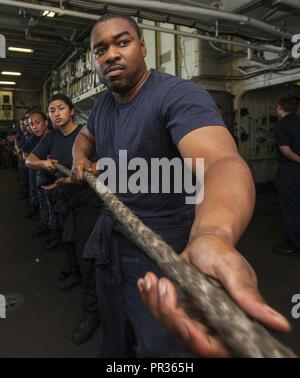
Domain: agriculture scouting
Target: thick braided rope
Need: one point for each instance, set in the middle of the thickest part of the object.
(207, 302)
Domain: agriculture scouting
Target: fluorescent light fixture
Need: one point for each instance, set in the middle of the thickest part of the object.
(20, 49)
(48, 13)
(7, 82)
(11, 73)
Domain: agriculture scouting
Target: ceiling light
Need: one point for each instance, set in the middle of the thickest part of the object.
(20, 49)
(48, 13)
(8, 82)
(11, 73)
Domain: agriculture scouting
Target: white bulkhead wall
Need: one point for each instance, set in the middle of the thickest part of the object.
(149, 37)
(188, 54)
(182, 56)
(166, 49)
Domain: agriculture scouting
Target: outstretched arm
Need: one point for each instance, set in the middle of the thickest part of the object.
(33, 162)
(220, 220)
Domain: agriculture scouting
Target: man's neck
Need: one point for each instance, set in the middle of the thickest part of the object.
(128, 96)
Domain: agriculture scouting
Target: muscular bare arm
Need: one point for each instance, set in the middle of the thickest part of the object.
(229, 189)
(219, 222)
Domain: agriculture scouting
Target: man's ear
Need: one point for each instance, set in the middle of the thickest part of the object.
(144, 48)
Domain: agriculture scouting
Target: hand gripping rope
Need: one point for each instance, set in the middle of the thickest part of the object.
(208, 303)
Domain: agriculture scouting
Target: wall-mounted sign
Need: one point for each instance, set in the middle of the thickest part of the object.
(6, 106)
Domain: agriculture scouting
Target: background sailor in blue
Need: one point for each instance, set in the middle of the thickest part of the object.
(287, 137)
(39, 124)
(154, 115)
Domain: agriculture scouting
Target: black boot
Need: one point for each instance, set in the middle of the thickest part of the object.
(69, 277)
(87, 327)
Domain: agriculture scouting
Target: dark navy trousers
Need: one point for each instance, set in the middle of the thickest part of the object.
(128, 327)
(288, 185)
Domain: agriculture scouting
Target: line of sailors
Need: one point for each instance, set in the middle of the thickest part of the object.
(67, 213)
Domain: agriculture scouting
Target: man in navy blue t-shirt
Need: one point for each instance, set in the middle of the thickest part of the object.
(287, 137)
(147, 115)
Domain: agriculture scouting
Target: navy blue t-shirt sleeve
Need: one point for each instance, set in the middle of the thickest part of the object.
(96, 111)
(23, 140)
(42, 150)
(187, 107)
(28, 147)
(92, 118)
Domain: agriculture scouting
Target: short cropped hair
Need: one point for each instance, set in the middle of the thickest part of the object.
(130, 20)
(289, 103)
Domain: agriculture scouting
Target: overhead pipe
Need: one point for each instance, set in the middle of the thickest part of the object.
(237, 77)
(142, 26)
(224, 51)
(270, 13)
(279, 15)
(59, 42)
(197, 11)
(270, 67)
(290, 3)
(65, 57)
(57, 10)
(249, 6)
(159, 6)
(213, 39)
